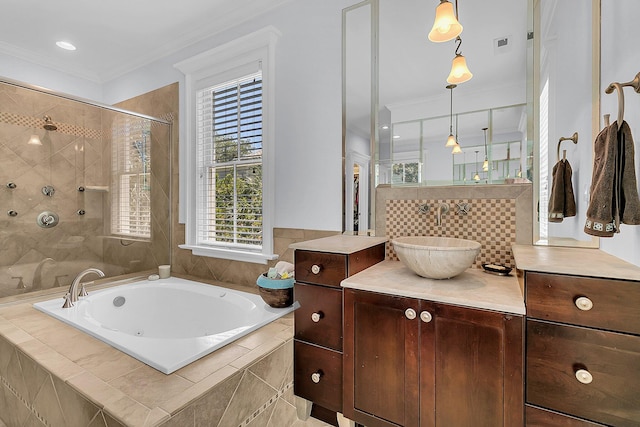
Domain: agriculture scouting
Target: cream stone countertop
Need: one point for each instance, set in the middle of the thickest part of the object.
(474, 288)
(576, 261)
(340, 244)
(124, 388)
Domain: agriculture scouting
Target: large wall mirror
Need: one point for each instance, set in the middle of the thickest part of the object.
(407, 112)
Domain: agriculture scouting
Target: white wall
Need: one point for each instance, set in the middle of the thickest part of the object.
(28, 72)
(308, 107)
(620, 63)
(308, 103)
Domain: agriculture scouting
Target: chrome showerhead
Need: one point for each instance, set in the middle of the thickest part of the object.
(48, 124)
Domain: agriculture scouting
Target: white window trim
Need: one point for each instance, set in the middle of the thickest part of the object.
(202, 70)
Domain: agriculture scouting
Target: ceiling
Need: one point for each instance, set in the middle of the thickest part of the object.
(116, 36)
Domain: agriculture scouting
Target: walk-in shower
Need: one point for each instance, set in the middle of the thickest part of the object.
(81, 185)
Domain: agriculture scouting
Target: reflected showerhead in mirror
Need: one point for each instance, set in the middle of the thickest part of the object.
(445, 26)
(48, 124)
(459, 71)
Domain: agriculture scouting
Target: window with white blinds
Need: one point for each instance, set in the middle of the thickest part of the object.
(131, 178)
(229, 161)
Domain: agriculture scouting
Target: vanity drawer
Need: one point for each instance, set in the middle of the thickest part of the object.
(318, 375)
(537, 417)
(558, 354)
(321, 268)
(319, 318)
(604, 303)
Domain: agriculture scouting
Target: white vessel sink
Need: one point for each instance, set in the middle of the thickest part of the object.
(436, 257)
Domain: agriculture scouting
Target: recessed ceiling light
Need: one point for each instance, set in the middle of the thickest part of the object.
(396, 136)
(385, 127)
(65, 45)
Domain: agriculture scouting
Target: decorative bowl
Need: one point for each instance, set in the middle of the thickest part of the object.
(436, 257)
(277, 293)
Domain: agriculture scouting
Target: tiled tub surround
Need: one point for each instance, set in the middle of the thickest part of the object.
(498, 216)
(52, 374)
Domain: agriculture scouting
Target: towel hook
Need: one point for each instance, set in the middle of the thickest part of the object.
(573, 138)
(635, 84)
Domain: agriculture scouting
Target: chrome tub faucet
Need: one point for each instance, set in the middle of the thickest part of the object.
(72, 296)
(442, 209)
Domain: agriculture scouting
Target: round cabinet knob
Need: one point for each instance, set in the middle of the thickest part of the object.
(315, 377)
(584, 303)
(315, 268)
(584, 376)
(317, 316)
(426, 317)
(410, 313)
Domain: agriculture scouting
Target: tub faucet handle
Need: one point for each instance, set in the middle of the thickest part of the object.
(67, 301)
(83, 290)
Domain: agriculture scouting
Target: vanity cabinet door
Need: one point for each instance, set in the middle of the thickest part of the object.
(381, 359)
(475, 371)
(411, 362)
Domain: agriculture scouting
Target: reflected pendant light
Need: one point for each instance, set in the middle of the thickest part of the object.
(456, 148)
(459, 71)
(485, 164)
(445, 26)
(451, 140)
(476, 176)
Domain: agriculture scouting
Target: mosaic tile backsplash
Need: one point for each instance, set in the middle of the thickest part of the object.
(492, 222)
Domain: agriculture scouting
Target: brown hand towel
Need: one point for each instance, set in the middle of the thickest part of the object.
(614, 193)
(556, 200)
(562, 203)
(629, 200)
(569, 198)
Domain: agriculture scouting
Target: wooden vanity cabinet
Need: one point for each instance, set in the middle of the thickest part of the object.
(410, 362)
(583, 350)
(318, 327)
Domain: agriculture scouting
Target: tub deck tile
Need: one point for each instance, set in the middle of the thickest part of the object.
(150, 386)
(211, 363)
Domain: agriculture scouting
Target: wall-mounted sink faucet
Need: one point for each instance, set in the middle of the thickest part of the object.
(442, 209)
(72, 296)
(37, 273)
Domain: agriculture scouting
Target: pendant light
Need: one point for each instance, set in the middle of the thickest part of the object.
(445, 26)
(485, 164)
(451, 140)
(459, 71)
(34, 140)
(476, 176)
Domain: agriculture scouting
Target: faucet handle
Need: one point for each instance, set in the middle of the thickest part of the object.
(83, 291)
(67, 301)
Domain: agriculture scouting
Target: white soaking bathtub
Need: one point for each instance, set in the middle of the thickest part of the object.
(166, 323)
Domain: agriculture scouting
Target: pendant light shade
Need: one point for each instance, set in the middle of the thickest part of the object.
(445, 26)
(451, 141)
(456, 149)
(459, 71)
